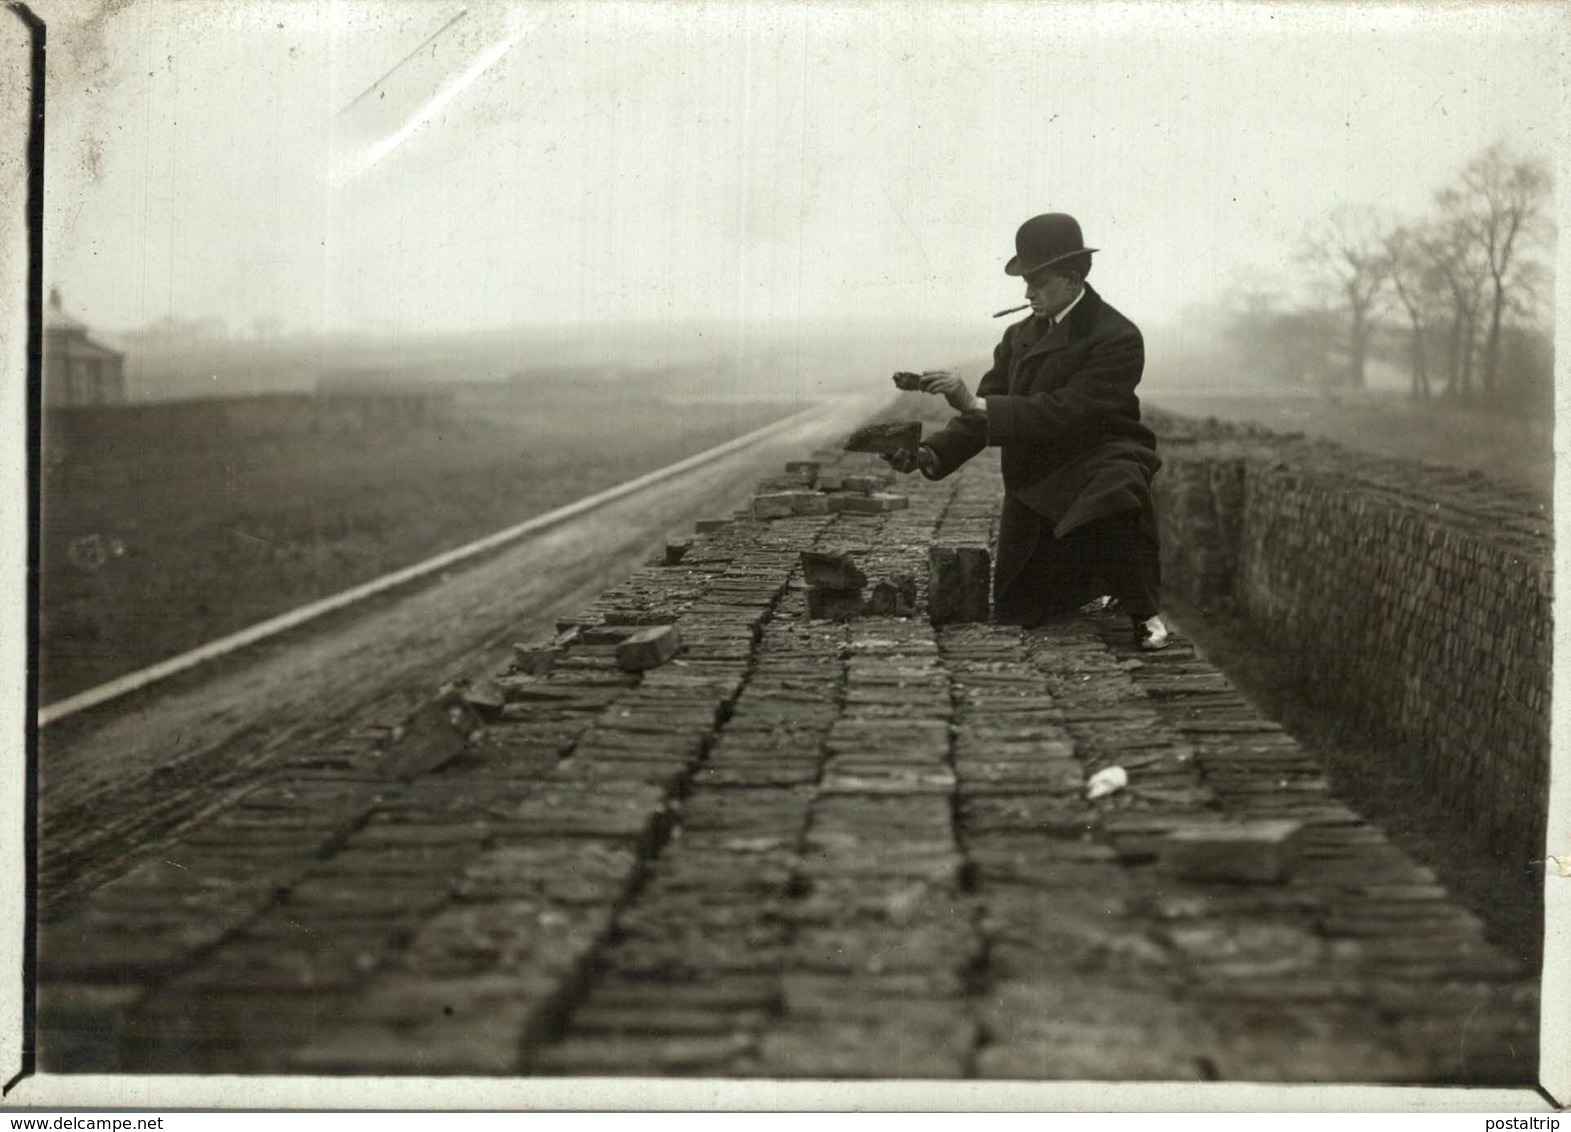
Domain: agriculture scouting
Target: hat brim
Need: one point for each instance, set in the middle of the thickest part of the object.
(1013, 266)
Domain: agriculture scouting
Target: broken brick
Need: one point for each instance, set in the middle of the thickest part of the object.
(648, 648)
(895, 597)
(833, 605)
(431, 737)
(537, 658)
(831, 571)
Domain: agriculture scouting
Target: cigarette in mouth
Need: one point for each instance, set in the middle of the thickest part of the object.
(1011, 310)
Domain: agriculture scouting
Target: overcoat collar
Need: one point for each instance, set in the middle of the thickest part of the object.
(1075, 326)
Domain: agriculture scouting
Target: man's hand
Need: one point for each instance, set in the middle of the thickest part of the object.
(950, 386)
(906, 461)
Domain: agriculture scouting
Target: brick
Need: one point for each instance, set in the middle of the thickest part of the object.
(878, 503)
(809, 503)
(788, 482)
(776, 505)
(537, 658)
(958, 584)
(885, 437)
(430, 738)
(648, 648)
(485, 696)
(708, 526)
(676, 549)
(833, 605)
(865, 483)
(600, 633)
(895, 597)
(1261, 852)
(831, 571)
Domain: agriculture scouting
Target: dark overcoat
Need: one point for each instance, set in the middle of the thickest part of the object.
(1061, 405)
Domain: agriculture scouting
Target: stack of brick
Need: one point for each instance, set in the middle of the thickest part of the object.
(835, 589)
(805, 489)
(834, 585)
(1412, 594)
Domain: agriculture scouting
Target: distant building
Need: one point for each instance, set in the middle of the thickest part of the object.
(78, 370)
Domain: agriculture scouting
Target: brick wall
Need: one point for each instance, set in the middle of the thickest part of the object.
(1414, 601)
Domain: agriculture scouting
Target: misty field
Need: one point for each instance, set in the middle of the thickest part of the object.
(150, 549)
(1513, 451)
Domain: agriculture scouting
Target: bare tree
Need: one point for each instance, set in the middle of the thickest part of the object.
(1499, 206)
(1413, 280)
(1347, 251)
(1454, 268)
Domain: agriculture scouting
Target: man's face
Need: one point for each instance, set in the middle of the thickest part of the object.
(1049, 293)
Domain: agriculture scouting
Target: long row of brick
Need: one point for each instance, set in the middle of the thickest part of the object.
(802, 847)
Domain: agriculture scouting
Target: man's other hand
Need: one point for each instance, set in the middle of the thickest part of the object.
(950, 386)
(906, 461)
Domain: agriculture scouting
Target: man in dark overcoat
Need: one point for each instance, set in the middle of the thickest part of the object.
(1078, 520)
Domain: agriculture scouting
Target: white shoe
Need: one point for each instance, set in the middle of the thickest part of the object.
(1097, 604)
(1151, 633)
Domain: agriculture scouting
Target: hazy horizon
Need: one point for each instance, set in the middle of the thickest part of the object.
(574, 165)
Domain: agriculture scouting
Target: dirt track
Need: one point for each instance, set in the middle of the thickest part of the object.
(132, 772)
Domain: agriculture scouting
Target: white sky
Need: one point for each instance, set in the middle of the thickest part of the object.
(726, 160)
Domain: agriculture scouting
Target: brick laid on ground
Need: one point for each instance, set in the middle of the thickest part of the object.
(799, 848)
(1257, 851)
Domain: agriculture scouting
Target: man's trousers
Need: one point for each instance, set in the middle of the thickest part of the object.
(1115, 555)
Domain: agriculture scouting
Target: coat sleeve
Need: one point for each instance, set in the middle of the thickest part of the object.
(966, 435)
(1102, 386)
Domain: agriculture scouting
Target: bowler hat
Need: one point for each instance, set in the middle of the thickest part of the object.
(1044, 240)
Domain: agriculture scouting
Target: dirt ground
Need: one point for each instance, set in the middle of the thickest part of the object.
(147, 553)
(127, 773)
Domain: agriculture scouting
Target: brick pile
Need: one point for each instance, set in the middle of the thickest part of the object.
(1412, 600)
(804, 490)
(799, 848)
